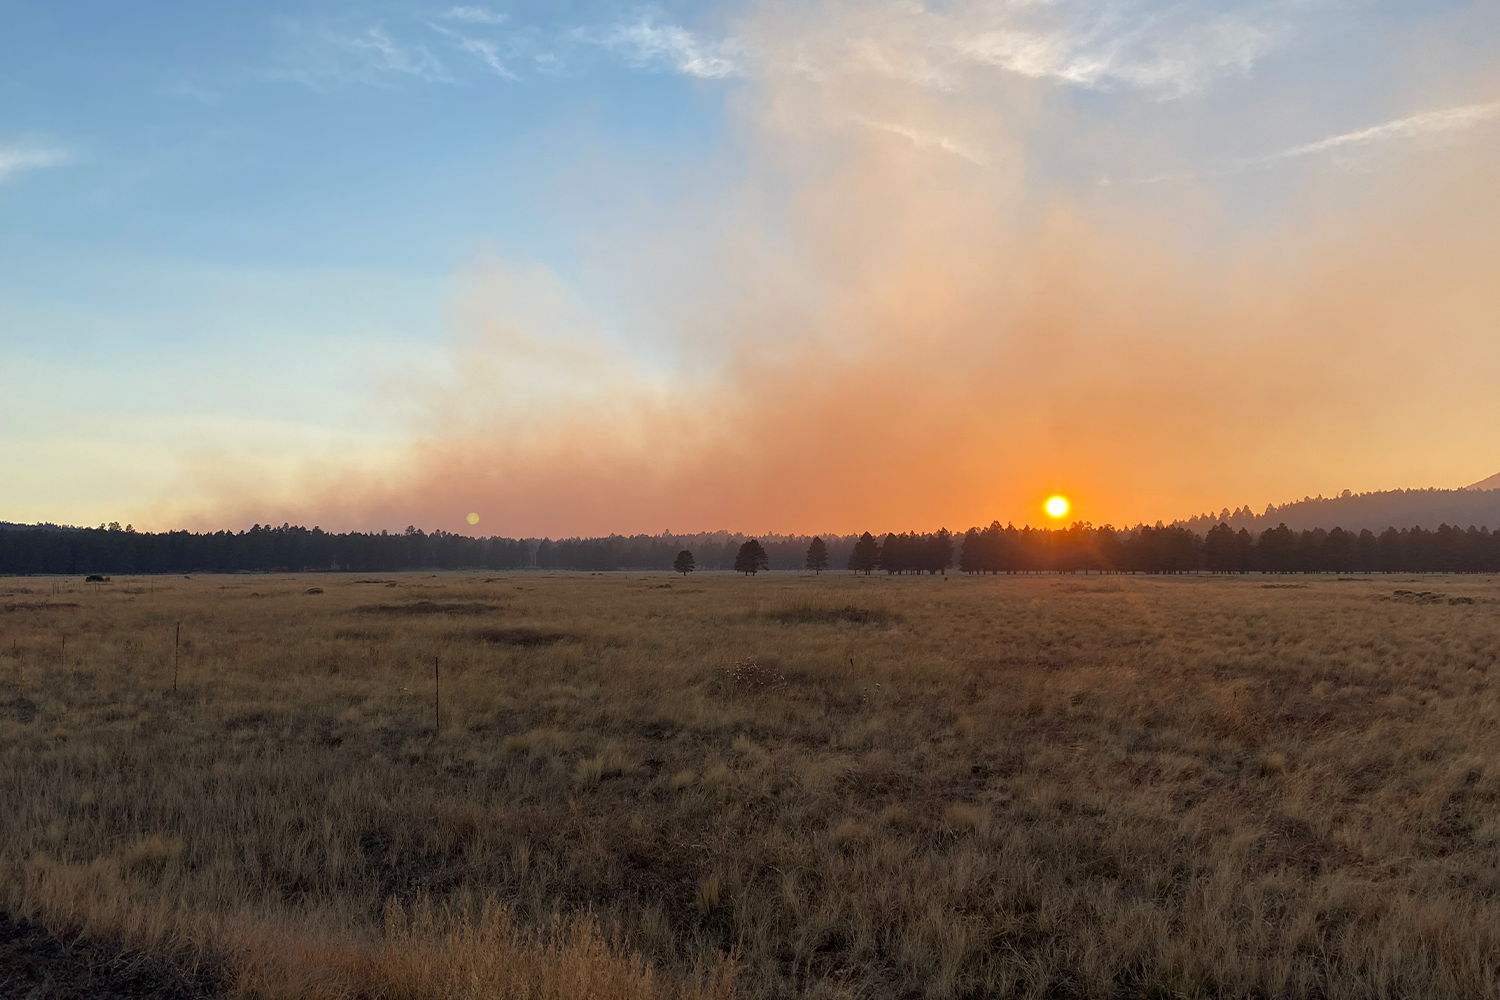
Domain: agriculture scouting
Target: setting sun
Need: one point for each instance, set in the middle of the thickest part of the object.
(1057, 506)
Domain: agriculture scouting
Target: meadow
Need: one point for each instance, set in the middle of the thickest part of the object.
(641, 786)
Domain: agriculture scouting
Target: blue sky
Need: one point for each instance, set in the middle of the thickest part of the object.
(244, 213)
(232, 235)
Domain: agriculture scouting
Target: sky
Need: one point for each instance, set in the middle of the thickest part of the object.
(583, 267)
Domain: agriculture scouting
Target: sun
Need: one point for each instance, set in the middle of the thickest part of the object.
(472, 519)
(1057, 506)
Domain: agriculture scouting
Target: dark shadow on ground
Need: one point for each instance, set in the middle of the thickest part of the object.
(35, 965)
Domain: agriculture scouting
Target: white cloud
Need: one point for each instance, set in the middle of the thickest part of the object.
(474, 15)
(320, 56)
(1416, 126)
(488, 52)
(644, 42)
(387, 56)
(1426, 123)
(927, 140)
(325, 54)
(16, 159)
(1164, 48)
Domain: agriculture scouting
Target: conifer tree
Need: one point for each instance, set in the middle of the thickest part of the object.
(684, 563)
(969, 558)
(817, 556)
(939, 552)
(866, 554)
(751, 558)
(893, 554)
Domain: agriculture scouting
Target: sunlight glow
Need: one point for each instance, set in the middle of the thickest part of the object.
(1057, 506)
(473, 518)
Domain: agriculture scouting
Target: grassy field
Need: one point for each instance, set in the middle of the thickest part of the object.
(645, 786)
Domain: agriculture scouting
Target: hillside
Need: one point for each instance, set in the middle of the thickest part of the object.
(1477, 505)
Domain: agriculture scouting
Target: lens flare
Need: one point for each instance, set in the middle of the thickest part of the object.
(473, 519)
(1057, 506)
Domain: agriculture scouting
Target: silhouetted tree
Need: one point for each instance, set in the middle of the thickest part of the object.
(1276, 552)
(970, 554)
(1109, 549)
(751, 558)
(684, 563)
(893, 557)
(939, 552)
(1244, 550)
(1219, 550)
(817, 556)
(866, 554)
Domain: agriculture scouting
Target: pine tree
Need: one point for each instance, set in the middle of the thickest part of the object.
(751, 559)
(817, 556)
(1219, 549)
(894, 554)
(866, 554)
(684, 562)
(969, 558)
(940, 552)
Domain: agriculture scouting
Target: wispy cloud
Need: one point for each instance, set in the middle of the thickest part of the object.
(387, 56)
(324, 54)
(1414, 126)
(475, 15)
(1169, 64)
(18, 159)
(321, 55)
(1163, 48)
(647, 42)
(487, 52)
(923, 139)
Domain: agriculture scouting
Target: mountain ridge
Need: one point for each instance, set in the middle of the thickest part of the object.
(1470, 506)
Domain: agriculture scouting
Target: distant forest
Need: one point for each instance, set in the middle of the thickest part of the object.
(1081, 548)
(1358, 511)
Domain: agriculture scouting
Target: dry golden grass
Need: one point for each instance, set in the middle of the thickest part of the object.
(1038, 787)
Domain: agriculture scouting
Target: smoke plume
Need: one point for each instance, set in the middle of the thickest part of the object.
(913, 303)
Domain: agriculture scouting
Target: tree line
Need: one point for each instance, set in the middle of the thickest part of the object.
(289, 548)
(1357, 511)
(1083, 548)
(1177, 549)
(994, 549)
